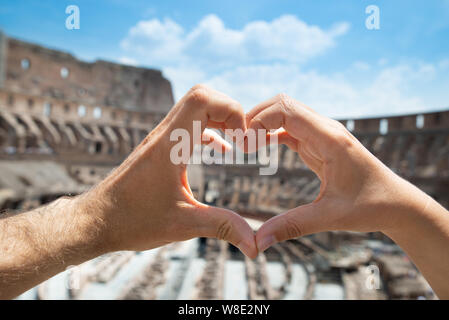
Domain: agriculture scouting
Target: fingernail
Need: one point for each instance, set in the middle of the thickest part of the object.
(265, 243)
(245, 248)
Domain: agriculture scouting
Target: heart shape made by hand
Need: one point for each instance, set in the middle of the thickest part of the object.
(155, 196)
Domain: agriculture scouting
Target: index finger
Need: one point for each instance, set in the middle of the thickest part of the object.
(200, 108)
(212, 108)
(301, 122)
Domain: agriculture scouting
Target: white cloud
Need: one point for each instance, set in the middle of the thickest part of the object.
(444, 64)
(155, 40)
(128, 61)
(391, 90)
(286, 38)
(264, 58)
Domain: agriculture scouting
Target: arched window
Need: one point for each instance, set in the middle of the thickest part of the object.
(47, 109)
(82, 111)
(350, 125)
(420, 121)
(383, 126)
(25, 63)
(64, 72)
(97, 112)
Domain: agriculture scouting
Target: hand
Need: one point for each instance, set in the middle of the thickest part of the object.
(147, 202)
(357, 191)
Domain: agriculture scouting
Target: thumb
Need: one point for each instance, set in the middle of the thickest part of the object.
(297, 222)
(213, 222)
(214, 140)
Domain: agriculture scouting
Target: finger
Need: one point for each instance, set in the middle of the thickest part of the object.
(272, 117)
(315, 164)
(282, 137)
(211, 108)
(214, 140)
(282, 97)
(261, 124)
(216, 125)
(260, 107)
(198, 109)
(248, 141)
(300, 121)
(303, 220)
(264, 138)
(213, 222)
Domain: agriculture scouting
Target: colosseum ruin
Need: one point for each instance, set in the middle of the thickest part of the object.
(65, 123)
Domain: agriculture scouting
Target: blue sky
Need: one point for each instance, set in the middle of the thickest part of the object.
(319, 52)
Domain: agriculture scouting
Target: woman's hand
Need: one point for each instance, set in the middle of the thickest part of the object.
(146, 202)
(357, 191)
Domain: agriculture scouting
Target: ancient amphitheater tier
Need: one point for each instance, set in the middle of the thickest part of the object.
(44, 72)
(65, 123)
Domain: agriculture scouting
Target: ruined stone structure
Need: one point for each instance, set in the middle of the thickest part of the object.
(64, 124)
(45, 72)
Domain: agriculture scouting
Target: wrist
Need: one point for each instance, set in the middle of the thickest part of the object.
(90, 227)
(406, 208)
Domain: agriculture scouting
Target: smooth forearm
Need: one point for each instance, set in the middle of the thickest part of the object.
(38, 244)
(422, 231)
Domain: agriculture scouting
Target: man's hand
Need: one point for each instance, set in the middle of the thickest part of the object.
(147, 202)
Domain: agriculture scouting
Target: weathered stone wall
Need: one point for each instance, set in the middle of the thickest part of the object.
(414, 122)
(41, 71)
(31, 126)
(3, 52)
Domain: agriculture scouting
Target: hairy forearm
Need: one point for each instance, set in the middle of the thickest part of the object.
(422, 231)
(38, 244)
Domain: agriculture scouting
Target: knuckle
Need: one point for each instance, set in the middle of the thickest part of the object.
(292, 228)
(248, 118)
(257, 123)
(236, 107)
(286, 102)
(198, 95)
(224, 230)
(338, 125)
(284, 98)
(199, 86)
(341, 138)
